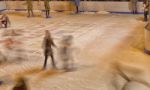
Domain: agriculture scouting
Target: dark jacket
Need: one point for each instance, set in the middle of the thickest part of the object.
(47, 46)
(46, 4)
(29, 4)
(77, 2)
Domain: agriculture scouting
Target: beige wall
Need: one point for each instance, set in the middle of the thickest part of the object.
(108, 6)
(55, 5)
(85, 6)
(2, 5)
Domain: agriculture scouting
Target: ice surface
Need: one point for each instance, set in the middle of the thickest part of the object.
(101, 42)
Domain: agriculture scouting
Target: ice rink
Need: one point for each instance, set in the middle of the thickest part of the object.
(108, 52)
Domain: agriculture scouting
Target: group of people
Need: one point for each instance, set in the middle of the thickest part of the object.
(47, 7)
(30, 8)
(64, 50)
(77, 4)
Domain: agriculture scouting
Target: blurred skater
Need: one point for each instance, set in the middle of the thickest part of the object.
(1, 82)
(13, 50)
(30, 8)
(20, 85)
(4, 21)
(66, 52)
(77, 4)
(146, 7)
(48, 51)
(134, 6)
(3, 58)
(47, 8)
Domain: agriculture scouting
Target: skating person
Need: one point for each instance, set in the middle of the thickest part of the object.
(20, 85)
(47, 46)
(1, 82)
(134, 6)
(146, 6)
(4, 21)
(66, 52)
(30, 8)
(47, 8)
(77, 4)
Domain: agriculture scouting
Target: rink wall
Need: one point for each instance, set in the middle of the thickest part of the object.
(2, 5)
(85, 6)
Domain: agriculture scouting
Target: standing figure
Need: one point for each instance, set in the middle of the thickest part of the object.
(1, 82)
(66, 52)
(77, 4)
(47, 8)
(146, 6)
(4, 21)
(47, 46)
(134, 6)
(30, 8)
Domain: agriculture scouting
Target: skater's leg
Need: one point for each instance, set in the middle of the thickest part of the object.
(53, 61)
(72, 63)
(32, 13)
(66, 65)
(45, 62)
(145, 15)
(48, 12)
(5, 24)
(77, 9)
(135, 8)
(28, 13)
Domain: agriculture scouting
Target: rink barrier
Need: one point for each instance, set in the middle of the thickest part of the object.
(113, 6)
(2, 10)
(80, 11)
(125, 12)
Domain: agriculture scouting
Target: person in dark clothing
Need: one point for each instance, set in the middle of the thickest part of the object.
(5, 20)
(1, 82)
(134, 6)
(77, 4)
(146, 6)
(47, 8)
(47, 46)
(30, 8)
